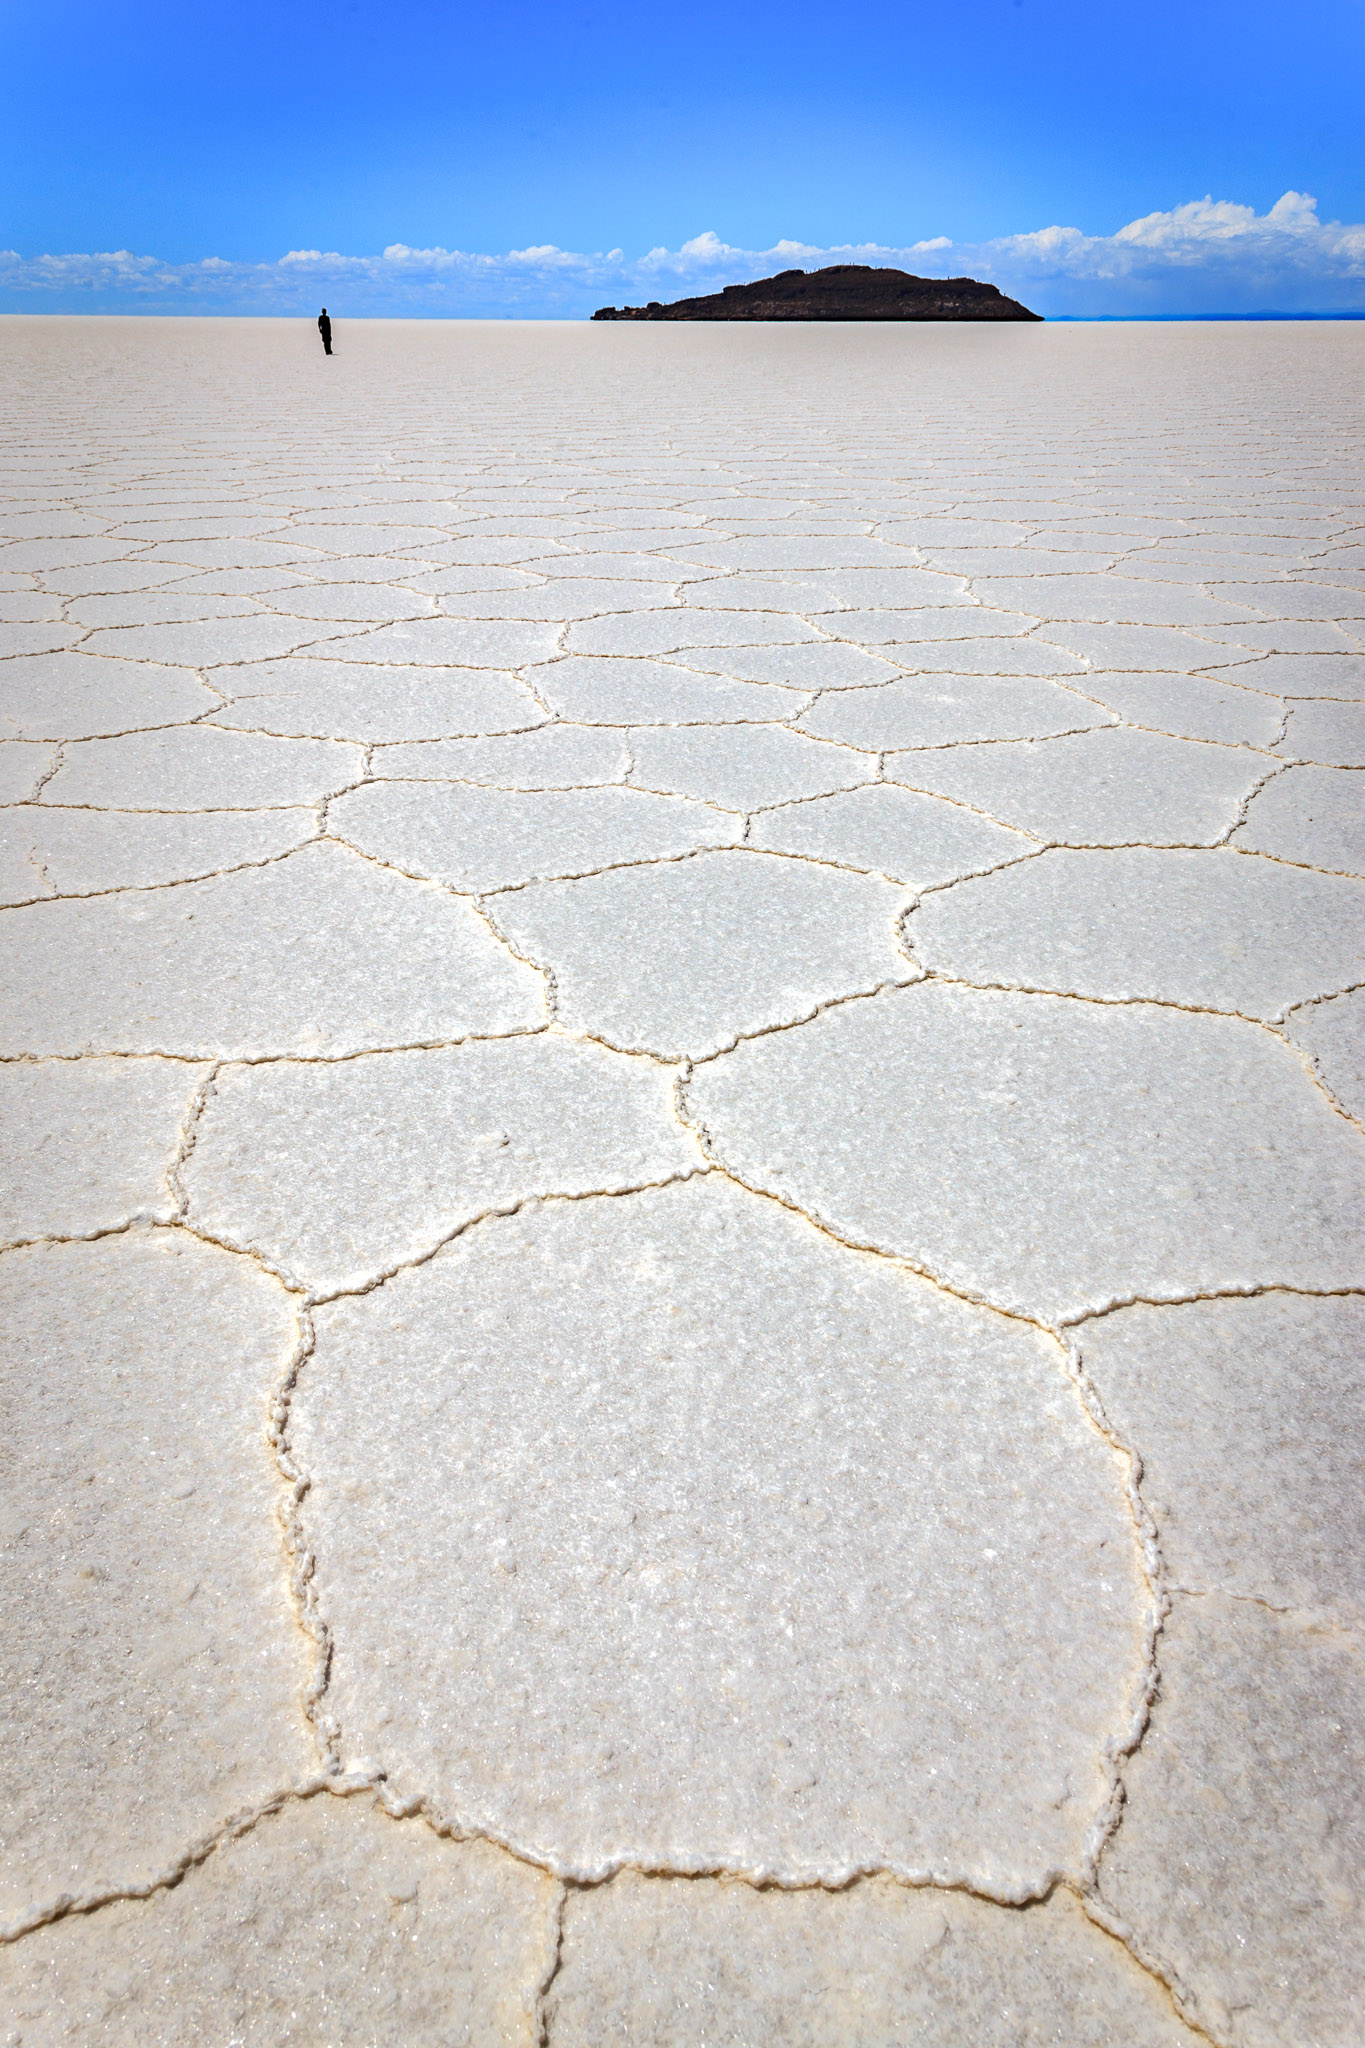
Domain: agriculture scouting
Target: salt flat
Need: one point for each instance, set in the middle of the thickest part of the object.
(683, 1069)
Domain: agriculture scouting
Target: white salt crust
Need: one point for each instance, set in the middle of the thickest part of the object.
(683, 1084)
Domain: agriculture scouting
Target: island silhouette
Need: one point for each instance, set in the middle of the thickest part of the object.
(843, 291)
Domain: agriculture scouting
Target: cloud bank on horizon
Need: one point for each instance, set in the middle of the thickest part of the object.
(1208, 256)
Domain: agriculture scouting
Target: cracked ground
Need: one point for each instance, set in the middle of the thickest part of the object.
(683, 1309)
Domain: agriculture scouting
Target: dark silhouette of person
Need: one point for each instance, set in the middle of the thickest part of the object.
(325, 330)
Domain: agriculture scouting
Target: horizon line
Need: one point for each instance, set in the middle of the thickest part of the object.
(586, 320)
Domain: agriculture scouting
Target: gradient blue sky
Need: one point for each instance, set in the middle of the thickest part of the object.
(243, 131)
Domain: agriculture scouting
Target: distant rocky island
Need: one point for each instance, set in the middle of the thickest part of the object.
(845, 291)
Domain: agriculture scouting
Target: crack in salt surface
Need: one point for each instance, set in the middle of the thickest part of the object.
(512, 1205)
(69, 1905)
(1142, 1002)
(560, 1889)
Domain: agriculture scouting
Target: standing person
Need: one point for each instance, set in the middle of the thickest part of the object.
(325, 330)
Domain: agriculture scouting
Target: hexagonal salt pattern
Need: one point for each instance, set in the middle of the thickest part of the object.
(355, 700)
(322, 953)
(1105, 788)
(1212, 931)
(75, 696)
(1047, 1155)
(548, 757)
(293, 1161)
(682, 1080)
(1310, 815)
(938, 710)
(1330, 733)
(46, 851)
(1249, 1413)
(682, 958)
(200, 768)
(692, 1572)
(1245, 1816)
(894, 832)
(1332, 1033)
(677, 1964)
(24, 767)
(482, 839)
(600, 692)
(367, 1928)
(1313, 673)
(746, 769)
(155, 1670)
(89, 1145)
(1191, 707)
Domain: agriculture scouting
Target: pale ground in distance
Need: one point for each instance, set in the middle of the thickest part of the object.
(683, 1060)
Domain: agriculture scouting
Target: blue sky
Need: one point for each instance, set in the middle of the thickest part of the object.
(528, 158)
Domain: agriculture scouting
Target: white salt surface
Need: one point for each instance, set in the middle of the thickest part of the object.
(682, 1072)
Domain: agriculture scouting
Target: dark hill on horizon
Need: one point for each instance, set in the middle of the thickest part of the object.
(845, 291)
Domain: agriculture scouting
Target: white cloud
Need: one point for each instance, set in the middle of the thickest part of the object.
(1208, 255)
(1202, 221)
